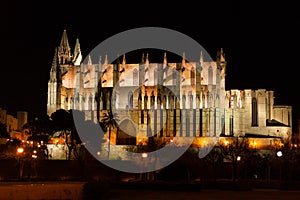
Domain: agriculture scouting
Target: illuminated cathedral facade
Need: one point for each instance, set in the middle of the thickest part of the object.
(164, 100)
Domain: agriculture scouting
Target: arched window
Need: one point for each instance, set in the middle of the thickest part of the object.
(66, 102)
(183, 101)
(146, 101)
(191, 100)
(72, 103)
(82, 103)
(152, 99)
(165, 102)
(210, 75)
(223, 125)
(158, 99)
(254, 112)
(130, 100)
(187, 123)
(231, 125)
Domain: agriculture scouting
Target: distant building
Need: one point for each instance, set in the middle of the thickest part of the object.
(165, 100)
(296, 136)
(14, 124)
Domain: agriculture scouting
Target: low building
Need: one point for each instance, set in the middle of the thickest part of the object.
(14, 125)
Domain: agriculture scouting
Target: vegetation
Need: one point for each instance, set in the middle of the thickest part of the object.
(3, 132)
(109, 121)
(232, 159)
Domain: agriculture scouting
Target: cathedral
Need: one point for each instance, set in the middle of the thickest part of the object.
(164, 100)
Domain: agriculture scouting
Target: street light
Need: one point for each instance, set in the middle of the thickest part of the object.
(144, 155)
(279, 154)
(20, 151)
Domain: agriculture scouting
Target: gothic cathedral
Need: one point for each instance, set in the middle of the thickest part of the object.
(165, 100)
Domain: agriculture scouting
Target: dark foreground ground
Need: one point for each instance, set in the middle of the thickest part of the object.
(73, 190)
(204, 194)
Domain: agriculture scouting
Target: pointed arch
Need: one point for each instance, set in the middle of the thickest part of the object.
(210, 75)
(82, 102)
(130, 100)
(254, 112)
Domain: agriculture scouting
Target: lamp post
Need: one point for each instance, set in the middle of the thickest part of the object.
(20, 151)
(279, 155)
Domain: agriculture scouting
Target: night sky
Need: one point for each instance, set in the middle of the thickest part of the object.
(261, 42)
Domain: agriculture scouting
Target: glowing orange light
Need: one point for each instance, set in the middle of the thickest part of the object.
(226, 142)
(20, 150)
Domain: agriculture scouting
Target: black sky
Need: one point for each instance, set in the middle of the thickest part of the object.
(261, 42)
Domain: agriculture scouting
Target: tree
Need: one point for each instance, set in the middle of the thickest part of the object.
(152, 145)
(39, 131)
(233, 150)
(266, 162)
(3, 131)
(110, 120)
(64, 124)
(287, 160)
(213, 159)
(8, 150)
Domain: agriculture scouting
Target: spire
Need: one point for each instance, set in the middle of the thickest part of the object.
(100, 64)
(201, 58)
(183, 59)
(77, 47)
(89, 60)
(124, 60)
(222, 55)
(64, 43)
(64, 49)
(106, 60)
(54, 67)
(77, 53)
(143, 60)
(100, 60)
(54, 62)
(165, 59)
(147, 59)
